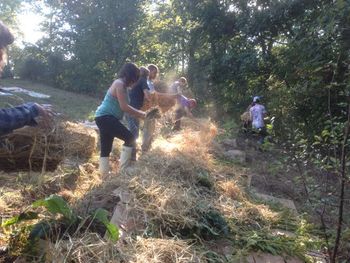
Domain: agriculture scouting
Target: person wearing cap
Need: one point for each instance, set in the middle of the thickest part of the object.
(30, 113)
(257, 114)
(184, 108)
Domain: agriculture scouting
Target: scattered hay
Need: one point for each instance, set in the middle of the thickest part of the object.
(230, 189)
(251, 214)
(165, 251)
(167, 186)
(89, 248)
(170, 207)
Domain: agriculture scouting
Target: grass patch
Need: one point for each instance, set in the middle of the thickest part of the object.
(73, 106)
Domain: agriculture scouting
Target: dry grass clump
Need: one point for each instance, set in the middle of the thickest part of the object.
(157, 250)
(230, 189)
(250, 213)
(169, 206)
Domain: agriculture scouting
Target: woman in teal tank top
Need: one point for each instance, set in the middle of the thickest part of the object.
(109, 114)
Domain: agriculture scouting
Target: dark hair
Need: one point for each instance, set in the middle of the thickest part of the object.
(144, 72)
(129, 73)
(6, 38)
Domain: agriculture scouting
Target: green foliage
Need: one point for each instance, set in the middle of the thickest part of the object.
(102, 216)
(7, 72)
(32, 69)
(21, 217)
(231, 128)
(26, 236)
(56, 205)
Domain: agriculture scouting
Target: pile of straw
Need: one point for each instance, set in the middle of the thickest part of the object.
(166, 184)
(164, 198)
(34, 149)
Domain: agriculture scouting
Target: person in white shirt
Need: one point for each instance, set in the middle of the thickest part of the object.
(257, 114)
(178, 86)
(153, 72)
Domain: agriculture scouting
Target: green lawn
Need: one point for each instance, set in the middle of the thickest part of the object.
(73, 106)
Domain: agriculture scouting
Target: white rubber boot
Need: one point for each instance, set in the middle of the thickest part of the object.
(104, 166)
(125, 157)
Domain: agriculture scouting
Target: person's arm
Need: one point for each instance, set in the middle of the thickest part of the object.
(179, 90)
(118, 91)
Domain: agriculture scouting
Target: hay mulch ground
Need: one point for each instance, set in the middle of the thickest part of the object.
(178, 204)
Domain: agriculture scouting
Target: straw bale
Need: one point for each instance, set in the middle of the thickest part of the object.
(32, 148)
(165, 251)
(78, 140)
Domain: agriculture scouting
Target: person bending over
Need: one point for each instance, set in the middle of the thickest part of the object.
(109, 114)
(183, 108)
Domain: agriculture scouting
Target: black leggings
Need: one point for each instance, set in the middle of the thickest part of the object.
(111, 127)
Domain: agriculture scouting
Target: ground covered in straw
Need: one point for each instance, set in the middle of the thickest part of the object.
(179, 203)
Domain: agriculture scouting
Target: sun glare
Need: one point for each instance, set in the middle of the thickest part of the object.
(29, 24)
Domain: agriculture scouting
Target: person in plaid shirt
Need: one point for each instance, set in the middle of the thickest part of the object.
(25, 114)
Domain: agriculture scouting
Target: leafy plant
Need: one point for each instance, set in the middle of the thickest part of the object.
(102, 216)
(61, 220)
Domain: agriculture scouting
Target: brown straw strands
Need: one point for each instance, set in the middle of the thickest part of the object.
(88, 248)
(78, 140)
(30, 149)
(157, 250)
